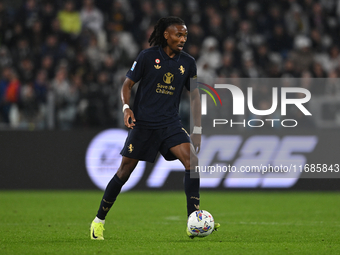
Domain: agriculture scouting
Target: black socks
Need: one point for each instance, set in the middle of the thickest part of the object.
(192, 187)
(111, 192)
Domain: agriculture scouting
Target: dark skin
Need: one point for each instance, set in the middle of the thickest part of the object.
(176, 36)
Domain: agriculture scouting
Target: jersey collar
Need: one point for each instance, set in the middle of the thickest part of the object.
(166, 57)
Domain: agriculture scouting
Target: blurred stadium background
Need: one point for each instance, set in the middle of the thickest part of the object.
(61, 67)
(62, 64)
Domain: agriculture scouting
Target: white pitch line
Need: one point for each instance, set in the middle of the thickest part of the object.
(314, 223)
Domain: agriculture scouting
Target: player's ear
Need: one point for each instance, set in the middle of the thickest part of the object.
(166, 35)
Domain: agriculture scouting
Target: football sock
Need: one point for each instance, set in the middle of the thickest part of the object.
(192, 187)
(97, 220)
(111, 192)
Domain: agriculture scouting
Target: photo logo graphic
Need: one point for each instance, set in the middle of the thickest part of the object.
(204, 97)
(239, 102)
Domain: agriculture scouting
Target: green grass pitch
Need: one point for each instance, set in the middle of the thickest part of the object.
(47, 222)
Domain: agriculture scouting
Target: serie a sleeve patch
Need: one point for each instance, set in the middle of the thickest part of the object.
(133, 65)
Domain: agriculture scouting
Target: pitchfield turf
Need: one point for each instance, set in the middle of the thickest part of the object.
(46, 222)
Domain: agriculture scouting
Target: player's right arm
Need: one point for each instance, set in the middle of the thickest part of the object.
(125, 96)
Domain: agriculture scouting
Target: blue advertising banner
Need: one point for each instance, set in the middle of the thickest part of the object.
(299, 160)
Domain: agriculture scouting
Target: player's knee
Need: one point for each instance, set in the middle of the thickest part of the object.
(124, 173)
(191, 162)
(125, 169)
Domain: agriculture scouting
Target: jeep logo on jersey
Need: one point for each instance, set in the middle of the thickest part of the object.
(168, 78)
(103, 159)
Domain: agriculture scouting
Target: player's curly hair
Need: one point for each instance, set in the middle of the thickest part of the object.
(157, 36)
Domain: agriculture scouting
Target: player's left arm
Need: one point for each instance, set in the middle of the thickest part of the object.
(195, 103)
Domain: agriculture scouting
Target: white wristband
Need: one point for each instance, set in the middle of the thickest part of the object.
(197, 130)
(125, 106)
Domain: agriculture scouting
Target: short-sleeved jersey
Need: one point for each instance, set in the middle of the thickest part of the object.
(162, 80)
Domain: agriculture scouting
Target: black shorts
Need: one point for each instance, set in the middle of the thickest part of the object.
(144, 144)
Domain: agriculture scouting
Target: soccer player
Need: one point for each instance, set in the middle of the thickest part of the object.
(155, 126)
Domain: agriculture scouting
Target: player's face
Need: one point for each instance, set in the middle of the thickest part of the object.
(176, 36)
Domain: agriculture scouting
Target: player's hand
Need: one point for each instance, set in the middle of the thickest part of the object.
(196, 140)
(128, 114)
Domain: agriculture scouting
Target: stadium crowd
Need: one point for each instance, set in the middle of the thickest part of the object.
(62, 62)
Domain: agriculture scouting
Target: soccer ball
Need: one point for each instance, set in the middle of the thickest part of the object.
(200, 223)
